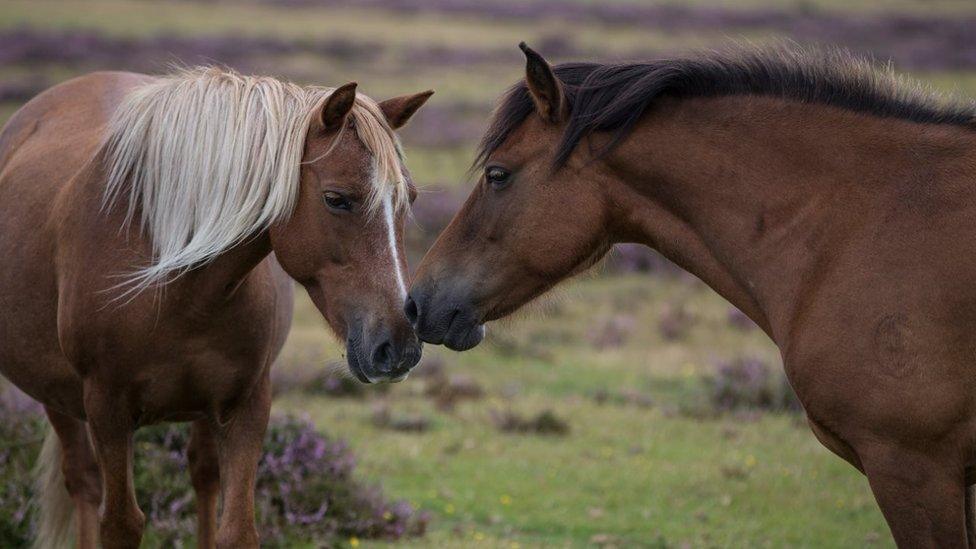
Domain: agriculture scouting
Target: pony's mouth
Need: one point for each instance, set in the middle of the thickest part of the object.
(354, 366)
(463, 332)
(400, 378)
(357, 371)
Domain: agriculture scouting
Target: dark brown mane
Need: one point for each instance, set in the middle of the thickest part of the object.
(612, 97)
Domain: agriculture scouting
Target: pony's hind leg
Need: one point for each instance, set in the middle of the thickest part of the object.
(922, 497)
(205, 474)
(111, 428)
(81, 482)
(239, 443)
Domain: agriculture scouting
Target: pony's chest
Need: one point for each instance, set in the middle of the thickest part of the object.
(181, 358)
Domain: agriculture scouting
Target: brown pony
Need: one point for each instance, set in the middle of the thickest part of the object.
(146, 228)
(830, 202)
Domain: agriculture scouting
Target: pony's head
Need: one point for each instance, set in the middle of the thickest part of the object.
(344, 239)
(211, 159)
(571, 165)
(529, 223)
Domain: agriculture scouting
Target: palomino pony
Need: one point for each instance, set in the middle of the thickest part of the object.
(138, 216)
(830, 202)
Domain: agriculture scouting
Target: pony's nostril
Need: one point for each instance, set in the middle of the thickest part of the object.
(410, 309)
(383, 356)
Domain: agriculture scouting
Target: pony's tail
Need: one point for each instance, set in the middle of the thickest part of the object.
(56, 521)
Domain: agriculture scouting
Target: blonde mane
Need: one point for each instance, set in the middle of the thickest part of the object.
(207, 158)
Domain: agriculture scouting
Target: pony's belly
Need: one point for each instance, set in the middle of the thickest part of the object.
(49, 381)
(191, 390)
(163, 392)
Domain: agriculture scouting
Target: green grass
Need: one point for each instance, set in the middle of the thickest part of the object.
(633, 475)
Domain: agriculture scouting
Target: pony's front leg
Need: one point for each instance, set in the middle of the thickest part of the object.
(112, 427)
(921, 496)
(239, 444)
(205, 475)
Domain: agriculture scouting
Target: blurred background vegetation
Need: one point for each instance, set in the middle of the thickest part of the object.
(634, 408)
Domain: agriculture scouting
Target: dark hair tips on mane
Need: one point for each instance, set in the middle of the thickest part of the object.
(613, 97)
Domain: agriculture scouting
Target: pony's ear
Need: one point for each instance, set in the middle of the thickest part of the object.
(544, 87)
(337, 106)
(399, 109)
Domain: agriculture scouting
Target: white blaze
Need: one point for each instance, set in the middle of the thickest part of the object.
(391, 238)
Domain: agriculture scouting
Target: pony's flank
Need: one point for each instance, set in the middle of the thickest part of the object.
(206, 158)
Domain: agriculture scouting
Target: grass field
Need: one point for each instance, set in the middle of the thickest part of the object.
(624, 360)
(655, 471)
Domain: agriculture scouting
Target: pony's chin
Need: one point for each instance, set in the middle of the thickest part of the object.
(463, 340)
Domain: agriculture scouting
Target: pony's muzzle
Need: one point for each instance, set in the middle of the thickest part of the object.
(383, 357)
(443, 320)
(393, 362)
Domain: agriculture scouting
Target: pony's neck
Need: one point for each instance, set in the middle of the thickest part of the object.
(198, 288)
(220, 279)
(760, 198)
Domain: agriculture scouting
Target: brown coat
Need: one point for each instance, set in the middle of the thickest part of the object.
(842, 223)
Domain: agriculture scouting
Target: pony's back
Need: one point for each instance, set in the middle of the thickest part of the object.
(66, 122)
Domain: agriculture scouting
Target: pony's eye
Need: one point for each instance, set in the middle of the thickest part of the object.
(497, 176)
(336, 201)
